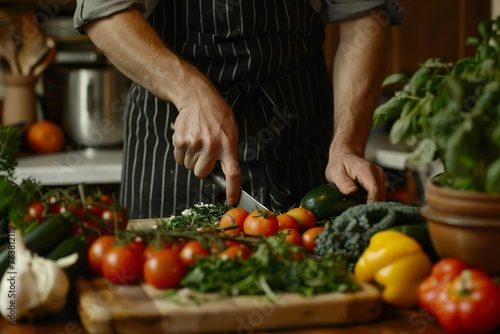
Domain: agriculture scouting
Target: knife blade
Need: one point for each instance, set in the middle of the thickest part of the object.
(245, 202)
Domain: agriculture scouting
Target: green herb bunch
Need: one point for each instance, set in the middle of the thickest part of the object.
(275, 267)
(13, 196)
(452, 111)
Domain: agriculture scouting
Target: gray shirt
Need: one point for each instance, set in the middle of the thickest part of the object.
(330, 10)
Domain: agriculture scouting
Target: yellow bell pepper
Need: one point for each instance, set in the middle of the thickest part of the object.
(397, 263)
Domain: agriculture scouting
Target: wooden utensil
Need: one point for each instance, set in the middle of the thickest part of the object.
(46, 59)
(8, 49)
(34, 48)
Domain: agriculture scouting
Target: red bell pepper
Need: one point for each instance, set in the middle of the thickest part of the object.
(463, 299)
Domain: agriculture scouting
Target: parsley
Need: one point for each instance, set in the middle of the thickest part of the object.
(273, 268)
(199, 215)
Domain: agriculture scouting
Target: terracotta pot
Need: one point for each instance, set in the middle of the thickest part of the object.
(461, 202)
(465, 225)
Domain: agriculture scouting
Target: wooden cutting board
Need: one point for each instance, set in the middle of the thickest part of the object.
(106, 308)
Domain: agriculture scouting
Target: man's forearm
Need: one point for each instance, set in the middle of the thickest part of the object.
(131, 44)
(358, 73)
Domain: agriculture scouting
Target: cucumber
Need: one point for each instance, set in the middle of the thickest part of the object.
(326, 201)
(73, 244)
(41, 239)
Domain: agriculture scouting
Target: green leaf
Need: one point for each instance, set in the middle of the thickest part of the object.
(492, 181)
(399, 130)
(387, 111)
(395, 78)
(418, 78)
(423, 154)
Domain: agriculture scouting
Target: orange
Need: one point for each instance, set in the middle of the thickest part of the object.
(45, 137)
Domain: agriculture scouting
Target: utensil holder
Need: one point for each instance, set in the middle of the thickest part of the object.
(19, 107)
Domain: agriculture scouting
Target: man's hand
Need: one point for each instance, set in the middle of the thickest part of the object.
(343, 169)
(205, 132)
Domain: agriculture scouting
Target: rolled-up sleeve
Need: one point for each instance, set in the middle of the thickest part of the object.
(89, 10)
(338, 10)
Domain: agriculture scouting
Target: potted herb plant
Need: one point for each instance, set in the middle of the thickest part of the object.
(451, 111)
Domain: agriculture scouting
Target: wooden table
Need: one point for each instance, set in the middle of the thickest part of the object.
(393, 321)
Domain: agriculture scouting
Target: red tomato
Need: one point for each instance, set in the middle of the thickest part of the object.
(231, 217)
(286, 221)
(309, 236)
(34, 211)
(96, 251)
(469, 303)
(106, 198)
(261, 222)
(164, 269)
(122, 264)
(191, 251)
(304, 217)
(292, 236)
(109, 217)
(234, 252)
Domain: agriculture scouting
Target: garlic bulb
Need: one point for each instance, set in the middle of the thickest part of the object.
(35, 285)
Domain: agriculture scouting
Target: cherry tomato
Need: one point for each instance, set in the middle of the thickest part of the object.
(164, 269)
(34, 211)
(309, 236)
(191, 251)
(304, 217)
(234, 252)
(122, 264)
(106, 198)
(292, 236)
(96, 252)
(261, 222)
(109, 217)
(286, 221)
(231, 217)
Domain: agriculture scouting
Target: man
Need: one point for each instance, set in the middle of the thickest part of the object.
(242, 83)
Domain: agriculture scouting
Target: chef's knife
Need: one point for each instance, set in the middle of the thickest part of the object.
(246, 201)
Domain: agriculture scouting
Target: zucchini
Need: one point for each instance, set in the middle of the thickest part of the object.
(73, 244)
(41, 239)
(326, 201)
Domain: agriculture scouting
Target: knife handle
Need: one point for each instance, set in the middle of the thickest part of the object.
(217, 179)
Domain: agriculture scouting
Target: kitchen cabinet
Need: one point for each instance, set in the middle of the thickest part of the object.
(430, 29)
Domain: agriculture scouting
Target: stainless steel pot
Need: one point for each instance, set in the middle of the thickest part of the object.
(93, 105)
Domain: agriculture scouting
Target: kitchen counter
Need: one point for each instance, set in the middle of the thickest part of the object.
(393, 321)
(91, 166)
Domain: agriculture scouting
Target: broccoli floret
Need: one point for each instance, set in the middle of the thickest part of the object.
(349, 233)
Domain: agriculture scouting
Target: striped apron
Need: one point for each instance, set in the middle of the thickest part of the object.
(265, 57)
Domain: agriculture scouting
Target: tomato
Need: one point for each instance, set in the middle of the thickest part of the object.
(304, 217)
(164, 269)
(261, 222)
(34, 211)
(234, 252)
(443, 271)
(122, 264)
(96, 252)
(309, 236)
(109, 217)
(292, 236)
(191, 251)
(286, 221)
(231, 217)
(106, 198)
(469, 303)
